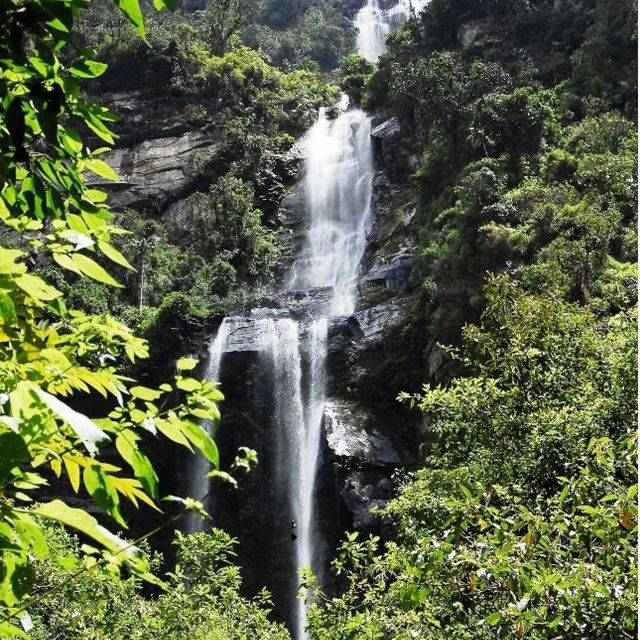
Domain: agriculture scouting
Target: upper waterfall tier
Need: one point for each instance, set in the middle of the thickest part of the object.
(337, 183)
(374, 24)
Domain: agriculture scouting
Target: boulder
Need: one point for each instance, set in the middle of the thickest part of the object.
(361, 494)
(352, 432)
(389, 273)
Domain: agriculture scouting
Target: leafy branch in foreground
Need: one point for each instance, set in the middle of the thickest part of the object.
(49, 354)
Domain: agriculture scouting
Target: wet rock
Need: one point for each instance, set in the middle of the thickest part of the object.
(375, 320)
(355, 344)
(361, 493)
(352, 432)
(388, 129)
(245, 334)
(390, 273)
(390, 154)
(307, 304)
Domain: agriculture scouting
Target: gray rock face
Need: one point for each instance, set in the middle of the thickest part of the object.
(391, 272)
(158, 170)
(361, 494)
(356, 343)
(305, 305)
(388, 129)
(475, 32)
(388, 151)
(375, 320)
(366, 327)
(351, 432)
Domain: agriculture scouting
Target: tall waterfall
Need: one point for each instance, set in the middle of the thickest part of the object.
(337, 184)
(292, 363)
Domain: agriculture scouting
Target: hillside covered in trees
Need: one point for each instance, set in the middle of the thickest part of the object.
(260, 341)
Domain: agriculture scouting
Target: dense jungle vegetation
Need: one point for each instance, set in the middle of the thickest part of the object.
(518, 153)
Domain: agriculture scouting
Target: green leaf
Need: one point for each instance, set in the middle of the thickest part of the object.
(131, 9)
(93, 270)
(71, 140)
(142, 467)
(101, 168)
(493, 619)
(164, 4)
(14, 453)
(172, 429)
(31, 534)
(188, 384)
(144, 393)
(36, 287)
(80, 520)
(101, 489)
(66, 262)
(90, 434)
(7, 308)
(187, 364)
(202, 441)
(88, 69)
(8, 630)
(113, 254)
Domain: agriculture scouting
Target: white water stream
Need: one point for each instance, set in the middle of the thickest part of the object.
(338, 184)
(198, 486)
(338, 178)
(374, 24)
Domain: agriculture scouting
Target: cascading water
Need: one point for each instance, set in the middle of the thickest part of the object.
(338, 179)
(374, 24)
(200, 468)
(308, 456)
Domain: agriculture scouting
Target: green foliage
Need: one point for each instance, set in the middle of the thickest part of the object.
(201, 599)
(523, 522)
(293, 33)
(547, 381)
(355, 73)
(49, 354)
(524, 161)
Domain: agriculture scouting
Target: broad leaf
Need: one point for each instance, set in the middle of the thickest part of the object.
(90, 434)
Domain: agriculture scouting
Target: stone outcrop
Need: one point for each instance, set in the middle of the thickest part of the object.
(351, 432)
(389, 274)
(158, 171)
(362, 493)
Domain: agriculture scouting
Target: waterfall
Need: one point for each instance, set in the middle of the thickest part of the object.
(337, 183)
(201, 466)
(374, 24)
